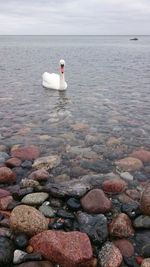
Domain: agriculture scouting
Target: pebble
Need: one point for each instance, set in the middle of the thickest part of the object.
(121, 226)
(146, 263)
(6, 251)
(129, 164)
(125, 246)
(36, 264)
(126, 176)
(27, 220)
(65, 214)
(95, 201)
(25, 183)
(26, 153)
(141, 154)
(21, 241)
(39, 175)
(47, 163)
(145, 200)
(21, 256)
(114, 186)
(109, 255)
(13, 162)
(142, 241)
(94, 225)
(7, 175)
(47, 210)
(131, 209)
(73, 204)
(35, 198)
(142, 221)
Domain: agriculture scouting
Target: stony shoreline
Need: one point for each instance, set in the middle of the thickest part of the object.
(96, 215)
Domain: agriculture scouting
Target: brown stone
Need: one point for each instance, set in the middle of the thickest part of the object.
(129, 164)
(145, 200)
(121, 226)
(96, 201)
(4, 193)
(114, 186)
(68, 249)
(27, 220)
(80, 126)
(26, 153)
(125, 246)
(146, 263)
(39, 175)
(134, 194)
(13, 162)
(141, 154)
(110, 255)
(7, 175)
(5, 201)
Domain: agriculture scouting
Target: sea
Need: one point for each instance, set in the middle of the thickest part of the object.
(108, 92)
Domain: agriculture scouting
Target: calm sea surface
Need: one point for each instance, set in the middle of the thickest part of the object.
(108, 89)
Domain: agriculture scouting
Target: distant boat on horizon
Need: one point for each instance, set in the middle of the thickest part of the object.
(134, 39)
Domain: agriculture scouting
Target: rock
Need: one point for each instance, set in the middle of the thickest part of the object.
(18, 193)
(121, 226)
(39, 175)
(71, 188)
(73, 204)
(6, 175)
(94, 225)
(25, 183)
(142, 241)
(142, 222)
(126, 176)
(80, 126)
(13, 162)
(145, 200)
(47, 163)
(6, 251)
(65, 214)
(130, 261)
(26, 153)
(95, 201)
(3, 148)
(27, 164)
(6, 232)
(4, 193)
(4, 155)
(98, 166)
(109, 256)
(132, 209)
(114, 186)
(27, 220)
(129, 164)
(46, 210)
(146, 263)
(141, 154)
(140, 176)
(112, 141)
(21, 241)
(134, 194)
(5, 201)
(35, 198)
(21, 256)
(125, 246)
(68, 249)
(36, 264)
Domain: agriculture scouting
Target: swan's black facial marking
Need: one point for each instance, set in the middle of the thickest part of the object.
(62, 68)
(62, 65)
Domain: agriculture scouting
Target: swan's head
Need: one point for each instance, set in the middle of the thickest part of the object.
(62, 65)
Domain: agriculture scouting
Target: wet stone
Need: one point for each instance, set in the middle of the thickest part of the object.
(146, 263)
(121, 226)
(131, 209)
(114, 185)
(125, 246)
(21, 256)
(142, 241)
(4, 155)
(65, 214)
(99, 166)
(6, 251)
(47, 163)
(35, 198)
(109, 255)
(27, 164)
(13, 162)
(126, 176)
(94, 225)
(56, 225)
(141, 177)
(47, 210)
(39, 175)
(73, 204)
(26, 153)
(130, 261)
(142, 221)
(145, 200)
(21, 241)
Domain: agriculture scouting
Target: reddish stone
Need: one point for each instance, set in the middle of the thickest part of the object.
(26, 153)
(121, 226)
(109, 255)
(123, 198)
(96, 201)
(129, 164)
(6, 214)
(134, 194)
(145, 200)
(39, 175)
(13, 162)
(4, 193)
(6, 175)
(114, 185)
(141, 154)
(5, 201)
(139, 260)
(125, 246)
(68, 249)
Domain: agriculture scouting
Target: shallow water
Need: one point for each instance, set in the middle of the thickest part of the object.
(108, 89)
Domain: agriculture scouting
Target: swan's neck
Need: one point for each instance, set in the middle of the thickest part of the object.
(62, 80)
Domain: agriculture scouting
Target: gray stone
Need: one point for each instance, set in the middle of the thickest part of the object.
(6, 251)
(35, 198)
(126, 176)
(142, 221)
(47, 210)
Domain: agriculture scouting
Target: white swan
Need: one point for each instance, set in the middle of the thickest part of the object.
(55, 81)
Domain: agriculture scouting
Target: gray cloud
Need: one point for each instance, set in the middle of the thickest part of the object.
(75, 17)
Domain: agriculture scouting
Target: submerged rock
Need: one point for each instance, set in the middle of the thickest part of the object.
(145, 200)
(141, 154)
(26, 153)
(6, 251)
(142, 222)
(125, 246)
(7, 175)
(129, 164)
(35, 198)
(114, 185)
(47, 163)
(121, 226)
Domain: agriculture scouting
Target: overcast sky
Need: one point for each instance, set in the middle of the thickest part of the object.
(75, 17)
